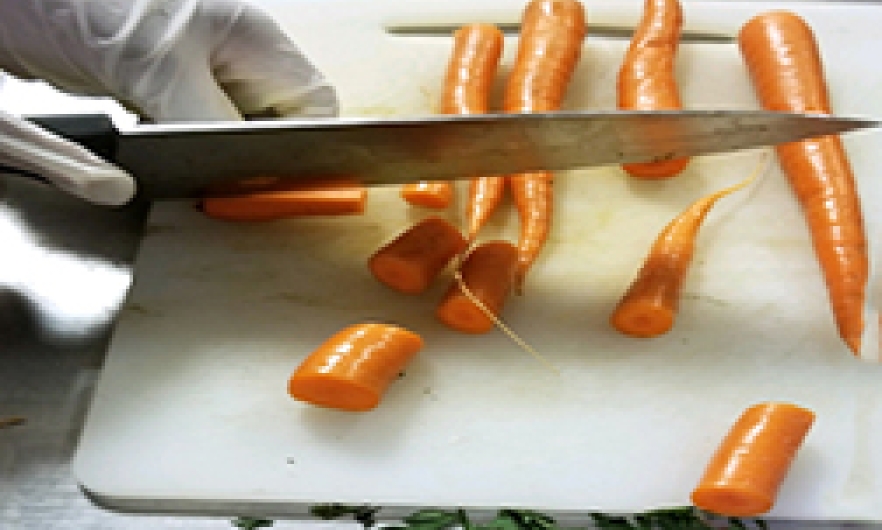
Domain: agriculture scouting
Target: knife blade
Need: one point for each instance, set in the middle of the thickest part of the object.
(184, 160)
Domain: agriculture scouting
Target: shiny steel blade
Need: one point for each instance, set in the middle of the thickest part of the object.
(609, 31)
(183, 160)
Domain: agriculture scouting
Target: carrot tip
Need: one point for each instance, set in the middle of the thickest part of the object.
(644, 319)
(331, 392)
(731, 500)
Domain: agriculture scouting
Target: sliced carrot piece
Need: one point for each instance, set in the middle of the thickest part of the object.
(259, 200)
(353, 368)
(436, 194)
(744, 475)
(488, 272)
(413, 259)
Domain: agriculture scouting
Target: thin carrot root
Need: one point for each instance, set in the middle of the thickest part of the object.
(552, 32)
(649, 306)
(646, 79)
(413, 259)
(488, 271)
(428, 194)
(352, 369)
(270, 199)
(485, 195)
(747, 470)
(782, 56)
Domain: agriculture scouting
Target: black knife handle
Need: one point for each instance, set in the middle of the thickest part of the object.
(95, 132)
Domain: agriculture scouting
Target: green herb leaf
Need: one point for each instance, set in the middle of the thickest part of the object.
(251, 523)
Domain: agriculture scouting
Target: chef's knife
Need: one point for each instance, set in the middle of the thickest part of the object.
(186, 160)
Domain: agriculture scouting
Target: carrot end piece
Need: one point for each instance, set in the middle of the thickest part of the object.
(331, 392)
(657, 170)
(732, 501)
(643, 318)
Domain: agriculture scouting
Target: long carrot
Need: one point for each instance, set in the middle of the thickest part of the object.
(467, 82)
(259, 200)
(785, 66)
(743, 477)
(353, 368)
(488, 271)
(646, 78)
(550, 45)
(649, 306)
(414, 258)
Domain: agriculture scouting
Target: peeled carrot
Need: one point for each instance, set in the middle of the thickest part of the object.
(269, 199)
(488, 272)
(782, 57)
(550, 45)
(646, 78)
(413, 259)
(467, 82)
(745, 473)
(649, 306)
(353, 368)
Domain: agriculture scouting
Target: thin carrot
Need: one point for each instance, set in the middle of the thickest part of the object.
(488, 271)
(550, 45)
(269, 199)
(785, 66)
(353, 368)
(646, 78)
(467, 82)
(649, 306)
(745, 473)
(413, 259)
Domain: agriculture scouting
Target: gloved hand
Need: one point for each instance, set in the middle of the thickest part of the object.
(167, 60)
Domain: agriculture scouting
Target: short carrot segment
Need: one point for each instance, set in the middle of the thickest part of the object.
(488, 272)
(259, 200)
(550, 45)
(353, 368)
(646, 79)
(413, 259)
(785, 66)
(467, 81)
(743, 477)
(649, 306)
(435, 194)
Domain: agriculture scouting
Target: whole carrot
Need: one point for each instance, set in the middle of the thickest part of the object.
(649, 306)
(467, 81)
(257, 200)
(646, 78)
(550, 45)
(488, 272)
(745, 473)
(414, 258)
(785, 66)
(352, 369)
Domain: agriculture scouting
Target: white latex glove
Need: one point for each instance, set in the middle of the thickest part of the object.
(167, 60)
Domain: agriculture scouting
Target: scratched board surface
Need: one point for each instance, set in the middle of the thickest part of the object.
(192, 413)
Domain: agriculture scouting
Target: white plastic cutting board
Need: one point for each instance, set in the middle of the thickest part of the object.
(192, 412)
